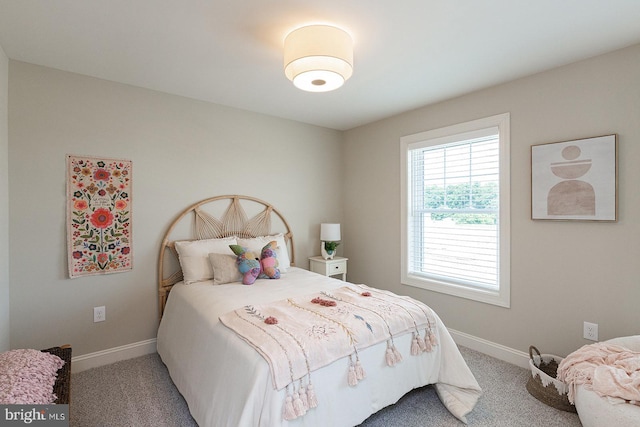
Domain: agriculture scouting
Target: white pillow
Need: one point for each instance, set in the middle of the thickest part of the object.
(194, 257)
(257, 243)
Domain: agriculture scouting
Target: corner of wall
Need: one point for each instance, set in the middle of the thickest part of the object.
(4, 201)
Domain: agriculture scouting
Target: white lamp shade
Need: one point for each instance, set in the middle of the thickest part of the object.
(318, 58)
(330, 232)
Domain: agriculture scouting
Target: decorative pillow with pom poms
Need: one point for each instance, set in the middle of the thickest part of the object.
(269, 261)
(248, 264)
(251, 267)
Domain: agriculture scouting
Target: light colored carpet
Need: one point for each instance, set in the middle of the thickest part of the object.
(139, 392)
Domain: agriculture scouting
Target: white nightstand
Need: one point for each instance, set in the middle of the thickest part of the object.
(329, 267)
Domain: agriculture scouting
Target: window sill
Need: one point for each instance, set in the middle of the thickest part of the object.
(499, 298)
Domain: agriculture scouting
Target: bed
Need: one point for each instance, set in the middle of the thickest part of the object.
(267, 374)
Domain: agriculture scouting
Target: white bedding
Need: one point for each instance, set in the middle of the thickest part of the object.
(226, 382)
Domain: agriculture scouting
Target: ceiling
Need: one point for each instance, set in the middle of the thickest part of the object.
(407, 53)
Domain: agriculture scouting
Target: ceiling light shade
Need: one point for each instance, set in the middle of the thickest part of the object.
(318, 58)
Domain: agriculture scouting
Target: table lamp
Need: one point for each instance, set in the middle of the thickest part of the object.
(329, 236)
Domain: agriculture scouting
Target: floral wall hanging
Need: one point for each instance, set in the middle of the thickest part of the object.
(98, 215)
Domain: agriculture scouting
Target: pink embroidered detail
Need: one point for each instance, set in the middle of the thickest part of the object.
(271, 320)
(366, 294)
(323, 302)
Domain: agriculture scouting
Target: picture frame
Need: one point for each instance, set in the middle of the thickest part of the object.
(575, 180)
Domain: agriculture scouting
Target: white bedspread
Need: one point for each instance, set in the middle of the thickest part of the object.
(226, 382)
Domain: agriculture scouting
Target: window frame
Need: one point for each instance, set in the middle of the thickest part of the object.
(445, 135)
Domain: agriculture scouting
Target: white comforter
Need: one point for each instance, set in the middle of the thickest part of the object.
(226, 382)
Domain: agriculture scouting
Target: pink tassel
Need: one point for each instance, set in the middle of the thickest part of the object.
(396, 354)
(352, 377)
(298, 406)
(428, 347)
(360, 373)
(389, 357)
(304, 398)
(311, 396)
(289, 413)
(421, 344)
(427, 341)
(415, 348)
(432, 338)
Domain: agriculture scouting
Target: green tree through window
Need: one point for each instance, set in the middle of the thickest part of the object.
(476, 202)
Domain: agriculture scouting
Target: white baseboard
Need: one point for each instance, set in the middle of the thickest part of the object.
(112, 355)
(510, 355)
(141, 348)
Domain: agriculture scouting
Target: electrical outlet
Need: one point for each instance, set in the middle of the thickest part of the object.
(590, 331)
(99, 314)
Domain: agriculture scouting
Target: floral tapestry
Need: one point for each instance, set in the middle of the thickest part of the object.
(98, 215)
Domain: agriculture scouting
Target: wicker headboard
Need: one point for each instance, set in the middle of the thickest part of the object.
(216, 217)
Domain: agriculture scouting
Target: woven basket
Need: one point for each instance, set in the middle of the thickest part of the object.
(543, 384)
(62, 387)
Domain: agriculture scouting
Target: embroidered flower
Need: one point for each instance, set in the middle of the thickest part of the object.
(320, 331)
(80, 205)
(101, 175)
(366, 294)
(271, 320)
(102, 218)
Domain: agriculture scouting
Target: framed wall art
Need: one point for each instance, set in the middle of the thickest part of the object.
(98, 215)
(575, 180)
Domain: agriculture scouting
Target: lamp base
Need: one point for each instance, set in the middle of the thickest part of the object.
(325, 254)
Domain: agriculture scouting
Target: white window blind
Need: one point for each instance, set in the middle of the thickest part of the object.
(455, 210)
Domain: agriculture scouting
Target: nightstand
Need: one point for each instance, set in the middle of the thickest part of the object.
(329, 267)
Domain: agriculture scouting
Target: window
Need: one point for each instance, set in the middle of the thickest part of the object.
(455, 210)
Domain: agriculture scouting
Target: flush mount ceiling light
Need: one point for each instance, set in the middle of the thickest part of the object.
(318, 58)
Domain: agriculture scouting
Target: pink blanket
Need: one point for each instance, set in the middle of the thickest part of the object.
(299, 335)
(27, 376)
(609, 370)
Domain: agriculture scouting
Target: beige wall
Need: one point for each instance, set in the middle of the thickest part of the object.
(562, 273)
(182, 151)
(4, 204)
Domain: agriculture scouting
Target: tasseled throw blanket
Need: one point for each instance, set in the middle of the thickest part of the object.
(609, 370)
(299, 335)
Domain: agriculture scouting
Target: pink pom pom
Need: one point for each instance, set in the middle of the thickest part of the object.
(271, 320)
